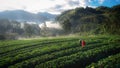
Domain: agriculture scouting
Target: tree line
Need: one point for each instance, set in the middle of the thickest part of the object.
(10, 29)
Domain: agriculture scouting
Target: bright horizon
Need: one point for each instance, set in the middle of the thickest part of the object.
(52, 6)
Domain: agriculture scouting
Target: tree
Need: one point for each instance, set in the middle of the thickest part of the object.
(31, 29)
(66, 26)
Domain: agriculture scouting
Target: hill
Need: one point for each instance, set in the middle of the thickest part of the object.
(24, 16)
(99, 20)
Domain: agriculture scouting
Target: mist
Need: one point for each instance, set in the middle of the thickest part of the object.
(50, 24)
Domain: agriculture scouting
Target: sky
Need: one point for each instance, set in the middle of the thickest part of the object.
(52, 6)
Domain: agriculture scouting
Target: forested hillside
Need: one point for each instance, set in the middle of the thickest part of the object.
(99, 20)
(10, 29)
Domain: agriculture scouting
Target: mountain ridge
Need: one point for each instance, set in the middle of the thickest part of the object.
(24, 16)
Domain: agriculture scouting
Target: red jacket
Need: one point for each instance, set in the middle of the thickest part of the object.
(83, 43)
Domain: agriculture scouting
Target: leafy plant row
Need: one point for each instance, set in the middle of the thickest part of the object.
(24, 50)
(44, 58)
(28, 49)
(9, 43)
(31, 45)
(5, 61)
(81, 59)
(12, 58)
(109, 62)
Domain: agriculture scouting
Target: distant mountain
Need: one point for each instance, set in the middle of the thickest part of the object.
(47, 15)
(24, 16)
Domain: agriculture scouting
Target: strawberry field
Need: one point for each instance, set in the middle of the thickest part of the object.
(61, 52)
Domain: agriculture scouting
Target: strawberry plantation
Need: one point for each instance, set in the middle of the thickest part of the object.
(61, 52)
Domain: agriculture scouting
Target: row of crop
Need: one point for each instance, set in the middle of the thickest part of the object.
(5, 61)
(9, 43)
(14, 45)
(109, 62)
(38, 51)
(27, 49)
(31, 48)
(33, 44)
(21, 44)
(44, 58)
(81, 59)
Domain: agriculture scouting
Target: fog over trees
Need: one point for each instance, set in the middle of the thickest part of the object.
(10, 29)
(99, 20)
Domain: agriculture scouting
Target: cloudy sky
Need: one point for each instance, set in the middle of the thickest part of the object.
(53, 6)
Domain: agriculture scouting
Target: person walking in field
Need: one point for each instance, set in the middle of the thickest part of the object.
(82, 43)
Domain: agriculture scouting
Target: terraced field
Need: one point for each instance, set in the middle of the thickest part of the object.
(61, 52)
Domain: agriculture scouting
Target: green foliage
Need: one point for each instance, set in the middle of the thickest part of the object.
(102, 18)
(12, 29)
(65, 52)
(80, 59)
(67, 26)
(109, 62)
